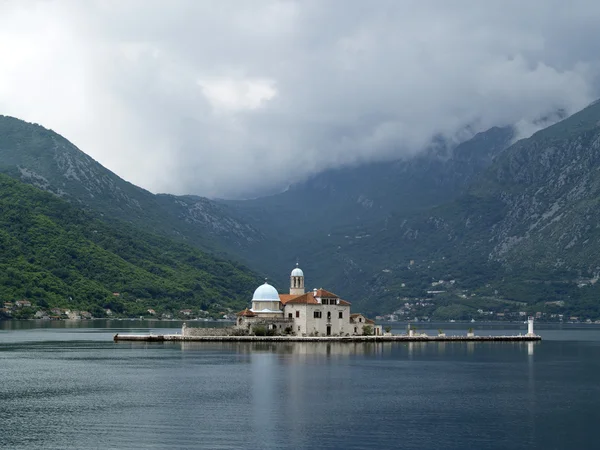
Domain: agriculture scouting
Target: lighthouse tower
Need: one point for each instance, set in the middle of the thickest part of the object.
(297, 281)
(530, 326)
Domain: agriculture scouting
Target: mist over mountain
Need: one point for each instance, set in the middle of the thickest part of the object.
(370, 192)
(513, 226)
(524, 230)
(150, 89)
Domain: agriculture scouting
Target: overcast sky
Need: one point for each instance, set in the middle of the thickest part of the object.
(231, 98)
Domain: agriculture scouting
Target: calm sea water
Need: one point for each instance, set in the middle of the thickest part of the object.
(67, 385)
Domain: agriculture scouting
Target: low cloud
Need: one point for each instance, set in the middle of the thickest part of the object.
(231, 99)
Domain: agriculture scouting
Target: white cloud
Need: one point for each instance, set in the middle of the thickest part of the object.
(228, 98)
(237, 95)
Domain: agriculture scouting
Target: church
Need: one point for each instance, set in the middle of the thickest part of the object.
(314, 313)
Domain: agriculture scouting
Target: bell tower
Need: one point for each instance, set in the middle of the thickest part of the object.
(297, 281)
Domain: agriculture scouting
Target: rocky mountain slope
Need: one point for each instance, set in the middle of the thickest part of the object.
(526, 230)
(48, 161)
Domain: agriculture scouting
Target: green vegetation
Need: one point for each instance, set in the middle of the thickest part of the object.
(478, 232)
(261, 330)
(43, 158)
(56, 255)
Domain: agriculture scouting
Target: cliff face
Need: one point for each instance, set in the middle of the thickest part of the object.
(550, 187)
(537, 205)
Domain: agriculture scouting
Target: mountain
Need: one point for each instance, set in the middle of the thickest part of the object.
(355, 196)
(57, 255)
(44, 159)
(526, 230)
(317, 219)
(484, 226)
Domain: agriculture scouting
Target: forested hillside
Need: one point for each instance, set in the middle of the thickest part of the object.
(56, 255)
(43, 158)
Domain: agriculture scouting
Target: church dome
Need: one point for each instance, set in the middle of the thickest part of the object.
(297, 272)
(265, 293)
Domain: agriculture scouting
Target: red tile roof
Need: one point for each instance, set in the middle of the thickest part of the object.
(354, 316)
(307, 298)
(284, 298)
(246, 313)
(325, 294)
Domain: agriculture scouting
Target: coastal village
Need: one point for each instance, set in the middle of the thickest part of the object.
(409, 310)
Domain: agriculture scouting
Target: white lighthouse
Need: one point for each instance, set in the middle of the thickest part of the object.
(530, 326)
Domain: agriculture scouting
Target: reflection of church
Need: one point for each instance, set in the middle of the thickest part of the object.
(314, 313)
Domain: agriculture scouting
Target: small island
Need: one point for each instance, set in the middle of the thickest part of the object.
(317, 315)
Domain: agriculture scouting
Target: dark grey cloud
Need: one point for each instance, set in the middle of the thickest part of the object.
(230, 98)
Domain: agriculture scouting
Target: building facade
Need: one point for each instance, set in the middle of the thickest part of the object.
(314, 313)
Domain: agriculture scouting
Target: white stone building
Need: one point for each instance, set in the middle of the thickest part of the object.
(314, 313)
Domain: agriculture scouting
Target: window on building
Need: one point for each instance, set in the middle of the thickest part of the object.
(324, 301)
(328, 315)
(341, 315)
(298, 327)
(289, 315)
(317, 314)
(355, 329)
(297, 313)
(360, 319)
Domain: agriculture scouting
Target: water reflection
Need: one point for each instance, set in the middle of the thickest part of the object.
(334, 350)
(327, 349)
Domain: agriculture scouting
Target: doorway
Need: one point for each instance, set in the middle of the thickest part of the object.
(328, 330)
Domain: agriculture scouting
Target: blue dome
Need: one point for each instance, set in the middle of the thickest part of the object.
(297, 272)
(265, 293)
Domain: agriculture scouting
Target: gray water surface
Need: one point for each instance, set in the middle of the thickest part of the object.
(67, 385)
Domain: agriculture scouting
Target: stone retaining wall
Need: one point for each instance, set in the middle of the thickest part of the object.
(229, 331)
